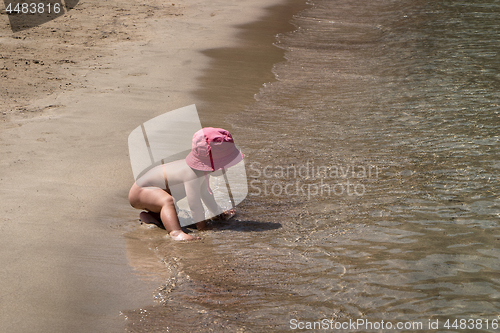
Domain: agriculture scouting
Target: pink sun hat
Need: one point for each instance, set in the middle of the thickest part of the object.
(213, 149)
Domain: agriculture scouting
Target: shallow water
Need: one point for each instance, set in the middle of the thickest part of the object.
(373, 168)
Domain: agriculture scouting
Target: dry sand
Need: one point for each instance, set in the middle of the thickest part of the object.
(71, 91)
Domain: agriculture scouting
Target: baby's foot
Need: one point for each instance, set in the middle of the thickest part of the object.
(149, 218)
(181, 235)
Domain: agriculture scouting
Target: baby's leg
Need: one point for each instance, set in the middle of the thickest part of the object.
(157, 200)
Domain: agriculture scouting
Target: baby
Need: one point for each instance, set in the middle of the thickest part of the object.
(158, 189)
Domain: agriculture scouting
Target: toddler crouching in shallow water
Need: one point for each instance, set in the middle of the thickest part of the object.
(213, 149)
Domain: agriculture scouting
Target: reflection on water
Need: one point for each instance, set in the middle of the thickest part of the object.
(411, 88)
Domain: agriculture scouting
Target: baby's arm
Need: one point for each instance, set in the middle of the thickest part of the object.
(194, 200)
(194, 197)
(209, 200)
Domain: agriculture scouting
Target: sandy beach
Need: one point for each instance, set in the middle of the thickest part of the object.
(72, 90)
(409, 90)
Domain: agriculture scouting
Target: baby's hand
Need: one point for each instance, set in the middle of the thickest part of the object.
(228, 214)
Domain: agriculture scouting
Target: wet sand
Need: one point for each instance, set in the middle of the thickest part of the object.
(72, 90)
(206, 284)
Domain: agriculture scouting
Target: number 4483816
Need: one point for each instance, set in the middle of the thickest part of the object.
(33, 8)
(472, 324)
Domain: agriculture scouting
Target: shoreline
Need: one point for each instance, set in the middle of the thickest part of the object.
(64, 151)
(234, 75)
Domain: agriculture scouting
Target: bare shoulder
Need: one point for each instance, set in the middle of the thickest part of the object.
(179, 172)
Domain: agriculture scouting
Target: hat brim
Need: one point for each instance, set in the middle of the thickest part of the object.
(221, 163)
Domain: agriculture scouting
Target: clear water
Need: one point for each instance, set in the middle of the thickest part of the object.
(386, 117)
